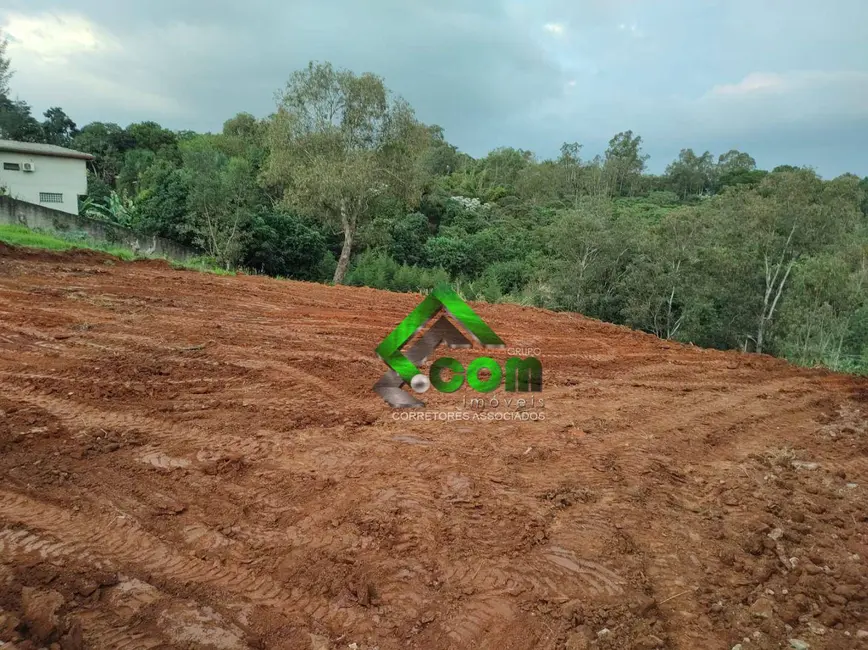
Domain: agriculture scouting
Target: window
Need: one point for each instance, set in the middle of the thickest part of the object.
(15, 167)
(50, 197)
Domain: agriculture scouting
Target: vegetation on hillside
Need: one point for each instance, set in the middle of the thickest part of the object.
(24, 237)
(343, 183)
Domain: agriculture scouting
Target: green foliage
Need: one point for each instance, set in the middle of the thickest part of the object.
(408, 238)
(5, 66)
(108, 143)
(338, 142)
(58, 128)
(57, 241)
(343, 182)
(450, 253)
(220, 194)
(16, 122)
(136, 163)
(284, 245)
(380, 271)
(509, 277)
(691, 174)
(818, 324)
(114, 209)
(623, 164)
(161, 202)
(150, 136)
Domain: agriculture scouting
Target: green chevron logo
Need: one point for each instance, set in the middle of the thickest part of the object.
(522, 374)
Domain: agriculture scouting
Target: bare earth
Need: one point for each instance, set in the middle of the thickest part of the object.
(192, 461)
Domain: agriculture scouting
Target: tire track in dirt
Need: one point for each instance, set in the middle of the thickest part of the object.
(551, 573)
(128, 544)
(100, 629)
(471, 535)
(77, 416)
(479, 617)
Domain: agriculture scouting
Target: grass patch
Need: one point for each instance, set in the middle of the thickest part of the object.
(201, 264)
(54, 241)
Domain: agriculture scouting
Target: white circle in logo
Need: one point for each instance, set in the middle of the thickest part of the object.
(420, 383)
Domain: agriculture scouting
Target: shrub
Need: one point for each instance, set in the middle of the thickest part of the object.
(380, 271)
(285, 245)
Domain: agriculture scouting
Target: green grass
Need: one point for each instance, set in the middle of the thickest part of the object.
(54, 241)
(201, 264)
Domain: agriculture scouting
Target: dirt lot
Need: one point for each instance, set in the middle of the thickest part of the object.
(194, 461)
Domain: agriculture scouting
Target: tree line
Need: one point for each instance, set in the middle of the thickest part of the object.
(343, 183)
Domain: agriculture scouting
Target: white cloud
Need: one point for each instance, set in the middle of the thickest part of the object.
(752, 83)
(554, 28)
(68, 60)
(632, 28)
(850, 88)
(766, 100)
(53, 38)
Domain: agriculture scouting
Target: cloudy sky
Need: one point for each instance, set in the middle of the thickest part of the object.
(785, 80)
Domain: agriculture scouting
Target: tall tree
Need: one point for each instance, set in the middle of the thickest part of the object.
(221, 198)
(624, 163)
(570, 161)
(5, 67)
(16, 122)
(736, 168)
(108, 143)
(762, 234)
(337, 142)
(690, 174)
(58, 128)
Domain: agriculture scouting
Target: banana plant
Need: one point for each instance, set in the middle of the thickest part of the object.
(114, 209)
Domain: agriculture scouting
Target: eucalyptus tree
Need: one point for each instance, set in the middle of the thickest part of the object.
(339, 143)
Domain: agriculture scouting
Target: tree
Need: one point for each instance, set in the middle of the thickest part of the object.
(284, 245)
(5, 67)
(161, 201)
(736, 168)
(409, 236)
(221, 198)
(570, 162)
(863, 185)
(16, 122)
(441, 158)
(690, 175)
(502, 166)
(58, 128)
(759, 237)
(152, 136)
(338, 141)
(542, 184)
(592, 253)
(816, 319)
(735, 160)
(244, 136)
(108, 143)
(624, 163)
(660, 285)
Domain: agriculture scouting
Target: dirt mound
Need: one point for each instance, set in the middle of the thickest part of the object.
(43, 255)
(195, 461)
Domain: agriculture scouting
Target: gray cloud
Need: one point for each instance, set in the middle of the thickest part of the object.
(702, 73)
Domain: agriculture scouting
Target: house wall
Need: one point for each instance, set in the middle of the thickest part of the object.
(64, 176)
(39, 217)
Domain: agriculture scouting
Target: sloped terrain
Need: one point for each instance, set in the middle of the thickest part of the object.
(195, 461)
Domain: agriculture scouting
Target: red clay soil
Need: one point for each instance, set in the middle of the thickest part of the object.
(193, 461)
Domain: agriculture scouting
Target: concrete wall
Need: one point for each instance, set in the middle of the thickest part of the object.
(38, 217)
(64, 176)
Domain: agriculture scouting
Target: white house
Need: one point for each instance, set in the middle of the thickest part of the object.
(45, 174)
